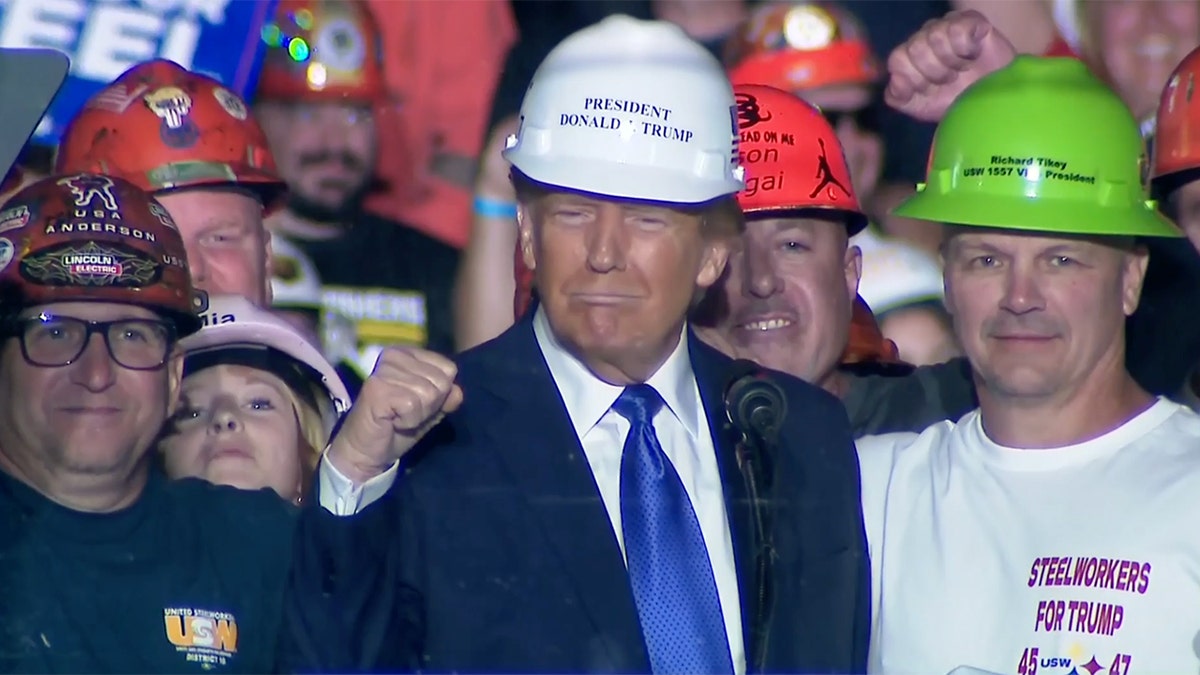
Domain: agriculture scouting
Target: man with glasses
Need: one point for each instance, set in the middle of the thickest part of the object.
(107, 567)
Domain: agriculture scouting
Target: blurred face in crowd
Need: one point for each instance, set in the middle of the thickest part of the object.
(228, 248)
(92, 417)
(617, 278)
(851, 112)
(922, 334)
(788, 294)
(1040, 315)
(326, 153)
(1139, 43)
(237, 426)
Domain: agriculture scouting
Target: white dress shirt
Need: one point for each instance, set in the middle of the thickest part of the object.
(341, 496)
(682, 430)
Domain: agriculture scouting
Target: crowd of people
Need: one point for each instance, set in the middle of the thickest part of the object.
(676, 368)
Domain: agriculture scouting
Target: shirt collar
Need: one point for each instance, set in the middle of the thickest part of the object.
(588, 398)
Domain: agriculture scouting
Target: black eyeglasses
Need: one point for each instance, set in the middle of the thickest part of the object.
(52, 341)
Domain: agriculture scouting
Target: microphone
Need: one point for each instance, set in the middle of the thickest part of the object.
(754, 403)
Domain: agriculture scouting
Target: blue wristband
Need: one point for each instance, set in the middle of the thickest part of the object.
(494, 208)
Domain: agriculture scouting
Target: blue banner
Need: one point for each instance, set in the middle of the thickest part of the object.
(104, 38)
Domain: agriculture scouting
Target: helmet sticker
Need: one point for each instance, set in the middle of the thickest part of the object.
(230, 103)
(749, 112)
(1028, 168)
(627, 125)
(7, 251)
(172, 105)
(340, 45)
(90, 264)
(88, 187)
(115, 99)
(14, 218)
(163, 216)
(825, 178)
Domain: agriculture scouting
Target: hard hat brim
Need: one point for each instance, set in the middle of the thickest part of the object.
(1038, 215)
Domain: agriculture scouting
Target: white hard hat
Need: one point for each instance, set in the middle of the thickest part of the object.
(295, 282)
(634, 109)
(896, 274)
(233, 322)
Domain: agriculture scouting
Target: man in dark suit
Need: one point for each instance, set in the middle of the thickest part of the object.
(585, 509)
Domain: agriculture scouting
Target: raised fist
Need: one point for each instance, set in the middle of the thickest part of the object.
(946, 56)
(407, 394)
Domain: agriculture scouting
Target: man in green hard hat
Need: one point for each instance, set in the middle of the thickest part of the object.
(1049, 529)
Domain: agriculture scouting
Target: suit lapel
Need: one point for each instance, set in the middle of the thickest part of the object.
(535, 440)
(709, 367)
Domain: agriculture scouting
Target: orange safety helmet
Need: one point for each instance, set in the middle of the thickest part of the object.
(801, 45)
(792, 156)
(322, 50)
(1176, 143)
(161, 127)
(87, 237)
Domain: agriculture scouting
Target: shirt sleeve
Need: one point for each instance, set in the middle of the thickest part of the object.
(341, 497)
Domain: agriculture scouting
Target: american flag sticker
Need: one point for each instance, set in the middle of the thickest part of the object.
(116, 98)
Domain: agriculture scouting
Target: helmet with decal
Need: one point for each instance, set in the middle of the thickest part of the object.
(801, 45)
(88, 237)
(240, 332)
(322, 50)
(162, 127)
(793, 158)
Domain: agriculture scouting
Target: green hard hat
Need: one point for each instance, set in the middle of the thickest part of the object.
(1040, 145)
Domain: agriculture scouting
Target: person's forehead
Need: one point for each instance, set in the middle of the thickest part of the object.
(813, 221)
(1003, 238)
(231, 376)
(92, 311)
(217, 197)
(627, 205)
(202, 209)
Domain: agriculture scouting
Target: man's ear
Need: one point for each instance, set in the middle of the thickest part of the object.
(716, 256)
(852, 267)
(1133, 277)
(525, 234)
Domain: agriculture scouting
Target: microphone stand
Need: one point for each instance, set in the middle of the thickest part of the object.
(753, 451)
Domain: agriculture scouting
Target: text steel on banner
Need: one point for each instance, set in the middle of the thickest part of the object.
(104, 38)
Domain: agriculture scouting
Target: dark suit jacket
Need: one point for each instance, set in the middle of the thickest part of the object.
(498, 524)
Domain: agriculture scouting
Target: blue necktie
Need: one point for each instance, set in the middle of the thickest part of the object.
(669, 569)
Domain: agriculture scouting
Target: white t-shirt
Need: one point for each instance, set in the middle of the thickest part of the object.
(1083, 559)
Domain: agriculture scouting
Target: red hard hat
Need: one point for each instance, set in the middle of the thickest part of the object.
(88, 237)
(162, 127)
(322, 50)
(792, 157)
(801, 45)
(1176, 144)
